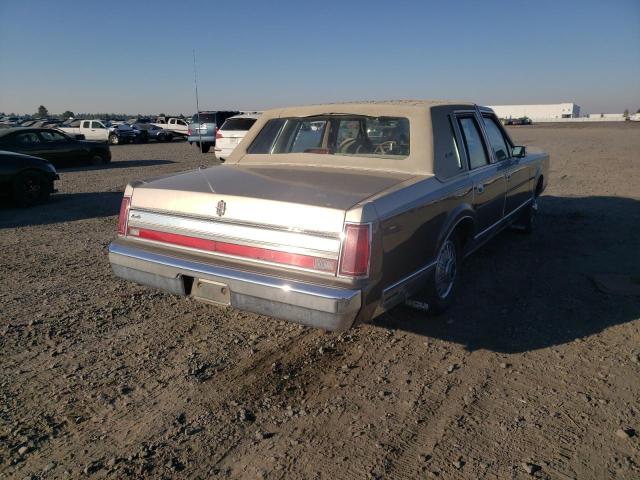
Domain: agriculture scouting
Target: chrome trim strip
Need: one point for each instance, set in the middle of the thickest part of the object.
(217, 230)
(144, 241)
(408, 278)
(263, 226)
(501, 220)
(347, 300)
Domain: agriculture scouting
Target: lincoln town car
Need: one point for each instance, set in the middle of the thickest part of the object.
(330, 215)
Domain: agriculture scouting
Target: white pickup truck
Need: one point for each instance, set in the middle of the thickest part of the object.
(176, 125)
(93, 130)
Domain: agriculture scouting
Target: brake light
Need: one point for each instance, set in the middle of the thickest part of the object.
(124, 215)
(218, 133)
(354, 259)
(189, 132)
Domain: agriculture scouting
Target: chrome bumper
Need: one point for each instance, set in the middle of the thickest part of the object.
(328, 308)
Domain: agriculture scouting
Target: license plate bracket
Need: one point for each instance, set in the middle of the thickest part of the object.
(211, 292)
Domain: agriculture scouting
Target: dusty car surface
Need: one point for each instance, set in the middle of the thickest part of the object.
(329, 215)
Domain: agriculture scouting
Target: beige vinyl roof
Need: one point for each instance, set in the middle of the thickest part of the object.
(419, 160)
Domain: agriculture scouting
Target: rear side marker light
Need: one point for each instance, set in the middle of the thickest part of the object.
(354, 259)
(218, 133)
(124, 215)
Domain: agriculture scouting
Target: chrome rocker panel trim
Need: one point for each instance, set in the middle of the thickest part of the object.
(313, 305)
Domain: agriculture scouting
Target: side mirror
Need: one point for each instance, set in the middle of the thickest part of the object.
(80, 137)
(519, 152)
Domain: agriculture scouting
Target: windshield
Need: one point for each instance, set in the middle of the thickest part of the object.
(238, 124)
(204, 118)
(354, 135)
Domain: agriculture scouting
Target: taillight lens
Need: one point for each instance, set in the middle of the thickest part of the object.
(124, 215)
(218, 133)
(354, 259)
(189, 132)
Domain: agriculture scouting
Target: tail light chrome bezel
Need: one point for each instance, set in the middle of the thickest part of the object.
(123, 217)
(355, 275)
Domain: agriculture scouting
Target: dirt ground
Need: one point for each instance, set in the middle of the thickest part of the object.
(535, 372)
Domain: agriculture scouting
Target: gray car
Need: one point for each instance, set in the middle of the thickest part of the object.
(330, 215)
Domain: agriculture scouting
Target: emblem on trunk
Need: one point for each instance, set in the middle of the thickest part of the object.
(221, 208)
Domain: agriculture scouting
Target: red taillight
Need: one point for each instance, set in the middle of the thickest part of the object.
(189, 132)
(124, 215)
(218, 133)
(256, 253)
(354, 259)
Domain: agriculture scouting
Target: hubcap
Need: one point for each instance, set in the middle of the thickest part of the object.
(446, 269)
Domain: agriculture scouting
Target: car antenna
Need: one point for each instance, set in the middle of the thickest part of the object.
(195, 81)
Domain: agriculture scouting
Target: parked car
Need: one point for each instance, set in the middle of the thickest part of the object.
(122, 133)
(93, 130)
(154, 132)
(204, 126)
(635, 117)
(177, 126)
(329, 227)
(54, 146)
(232, 132)
(27, 180)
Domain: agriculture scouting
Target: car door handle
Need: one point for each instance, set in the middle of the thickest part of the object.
(480, 188)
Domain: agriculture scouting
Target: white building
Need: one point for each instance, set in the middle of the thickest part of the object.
(538, 112)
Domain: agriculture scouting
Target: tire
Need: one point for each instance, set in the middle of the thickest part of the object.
(443, 280)
(97, 159)
(527, 220)
(31, 188)
(168, 138)
(113, 139)
(205, 147)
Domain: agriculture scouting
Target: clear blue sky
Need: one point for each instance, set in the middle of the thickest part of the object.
(136, 56)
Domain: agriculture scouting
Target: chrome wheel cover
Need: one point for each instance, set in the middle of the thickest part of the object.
(446, 269)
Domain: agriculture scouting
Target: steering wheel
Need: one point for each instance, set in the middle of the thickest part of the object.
(385, 147)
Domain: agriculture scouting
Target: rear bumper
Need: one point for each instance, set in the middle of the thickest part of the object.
(204, 138)
(318, 306)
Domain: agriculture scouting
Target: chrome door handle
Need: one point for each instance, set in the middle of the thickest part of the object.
(480, 188)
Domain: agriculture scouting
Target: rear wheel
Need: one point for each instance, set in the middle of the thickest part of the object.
(31, 188)
(205, 147)
(443, 279)
(113, 139)
(98, 159)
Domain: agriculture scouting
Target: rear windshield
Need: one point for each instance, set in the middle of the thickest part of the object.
(238, 124)
(204, 118)
(353, 135)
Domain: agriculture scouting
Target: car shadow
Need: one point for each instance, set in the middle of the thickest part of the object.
(112, 165)
(62, 207)
(525, 292)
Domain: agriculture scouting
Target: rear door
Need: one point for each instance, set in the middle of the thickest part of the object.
(29, 143)
(489, 182)
(61, 149)
(517, 170)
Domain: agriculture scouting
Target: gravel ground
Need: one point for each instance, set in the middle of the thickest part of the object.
(533, 373)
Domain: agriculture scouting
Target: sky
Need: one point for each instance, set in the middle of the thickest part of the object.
(137, 57)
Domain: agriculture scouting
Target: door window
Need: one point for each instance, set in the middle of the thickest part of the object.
(53, 137)
(28, 139)
(86, 124)
(476, 151)
(97, 125)
(498, 143)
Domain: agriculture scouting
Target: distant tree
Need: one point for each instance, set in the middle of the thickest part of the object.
(162, 115)
(67, 114)
(626, 113)
(42, 111)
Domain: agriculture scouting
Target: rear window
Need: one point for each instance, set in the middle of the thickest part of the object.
(204, 118)
(352, 135)
(238, 124)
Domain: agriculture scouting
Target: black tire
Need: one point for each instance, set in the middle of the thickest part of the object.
(168, 137)
(527, 220)
(205, 147)
(444, 277)
(98, 159)
(31, 188)
(113, 139)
